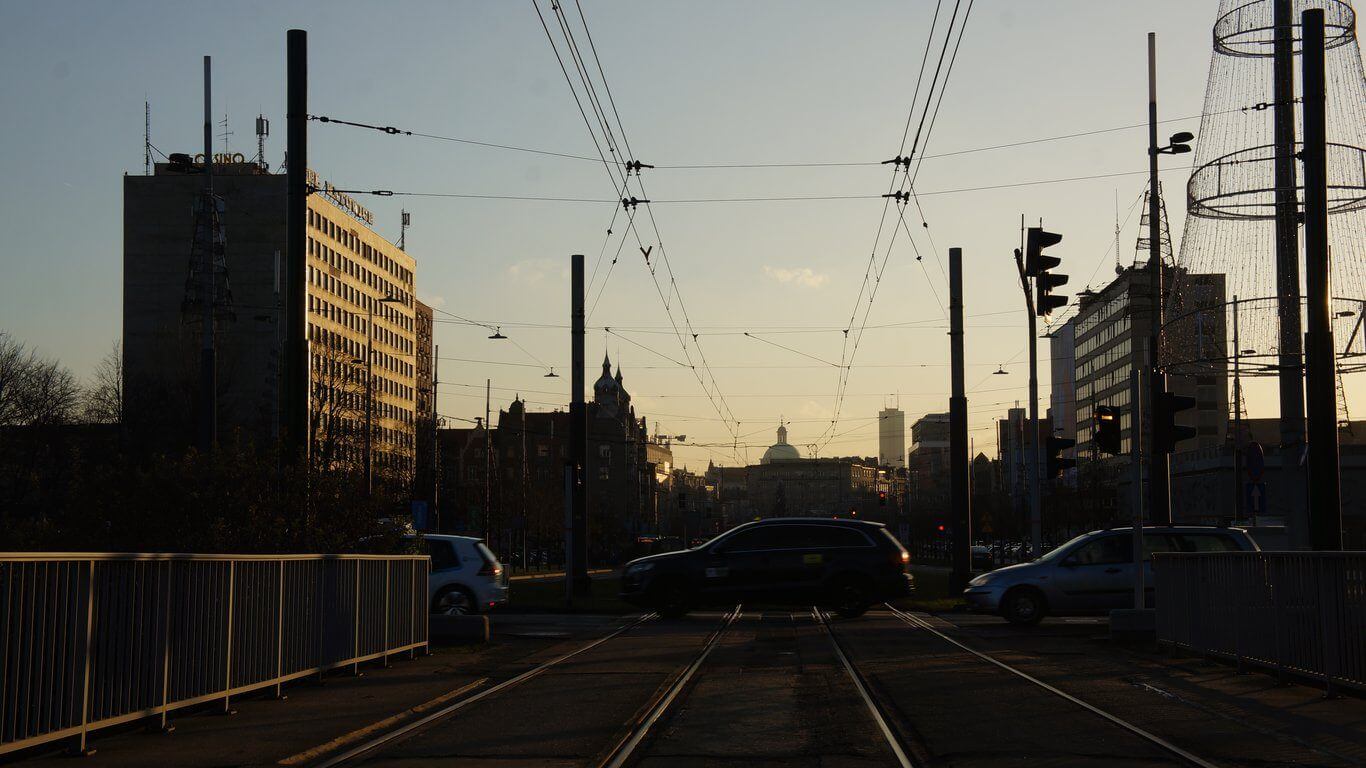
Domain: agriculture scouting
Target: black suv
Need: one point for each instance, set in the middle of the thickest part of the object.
(842, 564)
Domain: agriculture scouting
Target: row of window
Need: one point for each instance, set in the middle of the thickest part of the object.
(356, 322)
(339, 262)
(351, 240)
(353, 350)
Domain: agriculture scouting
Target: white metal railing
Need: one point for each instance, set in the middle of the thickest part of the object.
(90, 640)
(1300, 613)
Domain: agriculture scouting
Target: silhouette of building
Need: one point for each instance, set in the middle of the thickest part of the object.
(891, 438)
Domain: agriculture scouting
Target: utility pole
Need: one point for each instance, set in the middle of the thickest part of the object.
(208, 234)
(1159, 465)
(1325, 499)
(488, 463)
(959, 494)
(295, 358)
(1237, 418)
(436, 440)
(1136, 478)
(370, 401)
(1289, 363)
(576, 528)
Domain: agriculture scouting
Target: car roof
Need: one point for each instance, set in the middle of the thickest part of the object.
(443, 537)
(1177, 529)
(837, 521)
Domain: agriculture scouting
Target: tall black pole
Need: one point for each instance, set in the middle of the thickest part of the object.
(1325, 501)
(295, 357)
(959, 499)
(1291, 376)
(208, 233)
(576, 533)
(370, 401)
(1159, 464)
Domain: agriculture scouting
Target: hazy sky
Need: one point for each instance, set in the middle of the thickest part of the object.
(695, 82)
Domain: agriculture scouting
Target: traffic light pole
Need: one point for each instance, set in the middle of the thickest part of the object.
(1325, 499)
(1032, 455)
(960, 501)
(1159, 467)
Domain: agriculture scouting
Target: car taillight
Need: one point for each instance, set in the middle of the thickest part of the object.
(490, 569)
(905, 556)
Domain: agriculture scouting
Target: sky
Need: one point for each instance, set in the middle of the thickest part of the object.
(705, 82)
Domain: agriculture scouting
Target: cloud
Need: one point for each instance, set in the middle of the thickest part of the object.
(532, 271)
(801, 276)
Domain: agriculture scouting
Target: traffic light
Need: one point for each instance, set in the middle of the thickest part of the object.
(1167, 432)
(1036, 262)
(1107, 429)
(1037, 266)
(1056, 463)
(882, 498)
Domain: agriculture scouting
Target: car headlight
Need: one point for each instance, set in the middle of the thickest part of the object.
(640, 568)
(980, 581)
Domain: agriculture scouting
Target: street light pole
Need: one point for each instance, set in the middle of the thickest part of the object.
(370, 391)
(1159, 465)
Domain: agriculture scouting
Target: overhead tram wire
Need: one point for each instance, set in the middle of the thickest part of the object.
(590, 91)
(659, 240)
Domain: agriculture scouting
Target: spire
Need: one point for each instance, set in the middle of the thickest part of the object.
(606, 365)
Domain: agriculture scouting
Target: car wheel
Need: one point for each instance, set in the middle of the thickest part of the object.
(1025, 607)
(671, 599)
(850, 597)
(455, 601)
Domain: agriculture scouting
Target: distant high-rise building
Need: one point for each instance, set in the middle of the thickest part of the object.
(361, 301)
(891, 438)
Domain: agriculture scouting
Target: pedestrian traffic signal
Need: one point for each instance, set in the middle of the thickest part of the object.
(1107, 429)
(1167, 433)
(1056, 463)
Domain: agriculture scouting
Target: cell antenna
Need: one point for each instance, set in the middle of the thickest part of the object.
(262, 131)
(147, 138)
(405, 219)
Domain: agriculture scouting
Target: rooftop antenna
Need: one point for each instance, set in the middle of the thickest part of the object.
(262, 131)
(147, 138)
(405, 220)
(1118, 269)
(225, 134)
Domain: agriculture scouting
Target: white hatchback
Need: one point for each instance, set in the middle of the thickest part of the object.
(466, 576)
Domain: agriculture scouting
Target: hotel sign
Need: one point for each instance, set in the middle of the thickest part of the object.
(343, 200)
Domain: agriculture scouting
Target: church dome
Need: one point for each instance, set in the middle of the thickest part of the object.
(781, 450)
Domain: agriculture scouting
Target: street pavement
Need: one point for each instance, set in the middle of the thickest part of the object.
(773, 693)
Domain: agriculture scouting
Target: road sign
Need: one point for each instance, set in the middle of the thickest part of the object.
(1256, 498)
(1256, 461)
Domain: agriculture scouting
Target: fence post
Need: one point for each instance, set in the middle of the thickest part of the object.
(1328, 624)
(227, 672)
(412, 597)
(355, 624)
(89, 639)
(280, 635)
(166, 650)
(1277, 579)
(388, 565)
(322, 614)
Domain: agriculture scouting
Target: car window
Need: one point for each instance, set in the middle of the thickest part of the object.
(750, 540)
(1204, 542)
(442, 554)
(1158, 542)
(820, 537)
(1104, 551)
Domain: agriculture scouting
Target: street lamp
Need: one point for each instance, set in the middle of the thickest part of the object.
(370, 390)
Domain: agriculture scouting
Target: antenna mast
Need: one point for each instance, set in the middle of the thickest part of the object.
(405, 220)
(262, 131)
(147, 138)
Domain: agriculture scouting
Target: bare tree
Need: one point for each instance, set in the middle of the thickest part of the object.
(336, 409)
(33, 391)
(102, 399)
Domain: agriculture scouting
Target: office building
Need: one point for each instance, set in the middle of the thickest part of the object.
(891, 438)
(361, 324)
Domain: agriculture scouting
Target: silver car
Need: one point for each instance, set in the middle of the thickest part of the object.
(1092, 573)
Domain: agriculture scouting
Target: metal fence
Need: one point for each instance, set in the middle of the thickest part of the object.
(1301, 613)
(93, 640)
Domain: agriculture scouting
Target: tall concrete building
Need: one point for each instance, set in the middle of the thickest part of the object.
(1062, 395)
(891, 438)
(362, 318)
(1110, 324)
